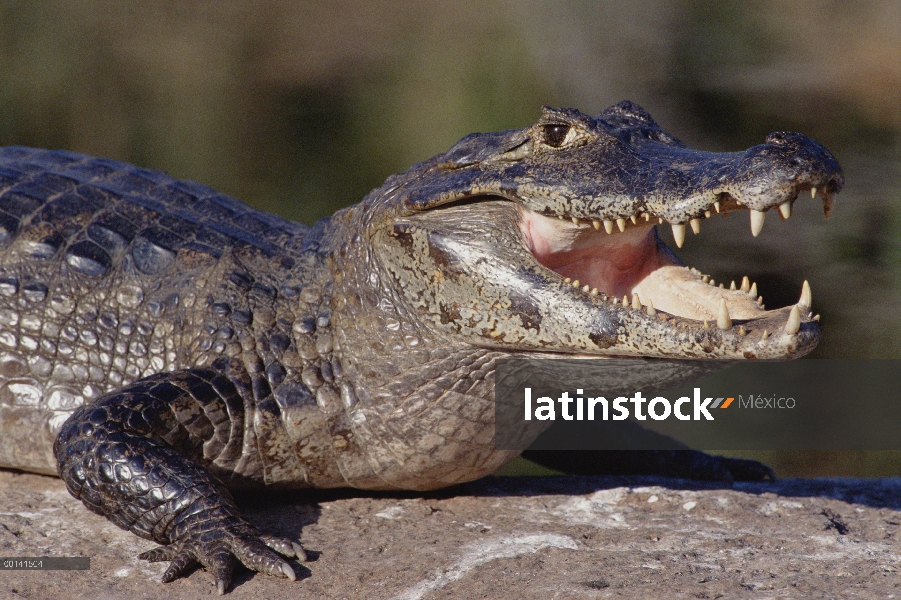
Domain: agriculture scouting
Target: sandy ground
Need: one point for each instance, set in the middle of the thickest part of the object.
(553, 537)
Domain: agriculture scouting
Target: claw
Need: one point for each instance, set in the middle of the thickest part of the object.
(288, 572)
(299, 552)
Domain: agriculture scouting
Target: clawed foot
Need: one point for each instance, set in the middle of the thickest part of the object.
(219, 550)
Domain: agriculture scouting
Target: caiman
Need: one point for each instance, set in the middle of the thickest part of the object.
(161, 343)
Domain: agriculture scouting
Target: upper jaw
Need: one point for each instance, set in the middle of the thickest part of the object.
(683, 186)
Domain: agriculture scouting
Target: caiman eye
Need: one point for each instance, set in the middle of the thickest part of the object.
(555, 135)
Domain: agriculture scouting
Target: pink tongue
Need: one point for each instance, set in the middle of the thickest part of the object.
(612, 263)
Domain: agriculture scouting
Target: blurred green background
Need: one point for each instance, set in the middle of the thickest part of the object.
(300, 108)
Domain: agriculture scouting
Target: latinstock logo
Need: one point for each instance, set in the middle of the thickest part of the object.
(582, 408)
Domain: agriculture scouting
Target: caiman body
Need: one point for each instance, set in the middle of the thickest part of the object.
(204, 337)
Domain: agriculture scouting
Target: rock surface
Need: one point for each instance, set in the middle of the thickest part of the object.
(527, 537)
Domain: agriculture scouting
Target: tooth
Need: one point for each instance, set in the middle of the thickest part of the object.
(716, 205)
(721, 287)
(705, 279)
(560, 217)
(707, 214)
(647, 216)
(722, 319)
(732, 285)
(816, 318)
(625, 301)
(608, 226)
(586, 288)
(757, 217)
(696, 225)
(793, 325)
(828, 202)
(806, 295)
(576, 283)
(813, 192)
(679, 233)
(765, 335)
(741, 330)
(621, 223)
(660, 220)
(760, 300)
(636, 303)
(753, 291)
(567, 280)
(650, 309)
(785, 209)
(712, 282)
(575, 221)
(634, 219)
(745, 284)
(706, 324)
(594, 291)
(596, 224)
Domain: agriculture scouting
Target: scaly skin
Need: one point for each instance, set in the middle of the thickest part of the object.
(161, 343)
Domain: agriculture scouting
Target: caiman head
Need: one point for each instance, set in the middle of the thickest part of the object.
(544, 239)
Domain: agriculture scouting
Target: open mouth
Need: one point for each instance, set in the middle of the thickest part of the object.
(623, 262)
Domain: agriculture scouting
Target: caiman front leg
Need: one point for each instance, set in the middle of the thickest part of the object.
(141, 456)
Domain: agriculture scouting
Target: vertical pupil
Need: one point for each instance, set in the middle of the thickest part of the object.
(555, 134)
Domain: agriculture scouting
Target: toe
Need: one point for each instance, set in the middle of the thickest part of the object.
(159, 554)
(179, 565)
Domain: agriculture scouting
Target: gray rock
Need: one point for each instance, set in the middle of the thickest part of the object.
(566, 537)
